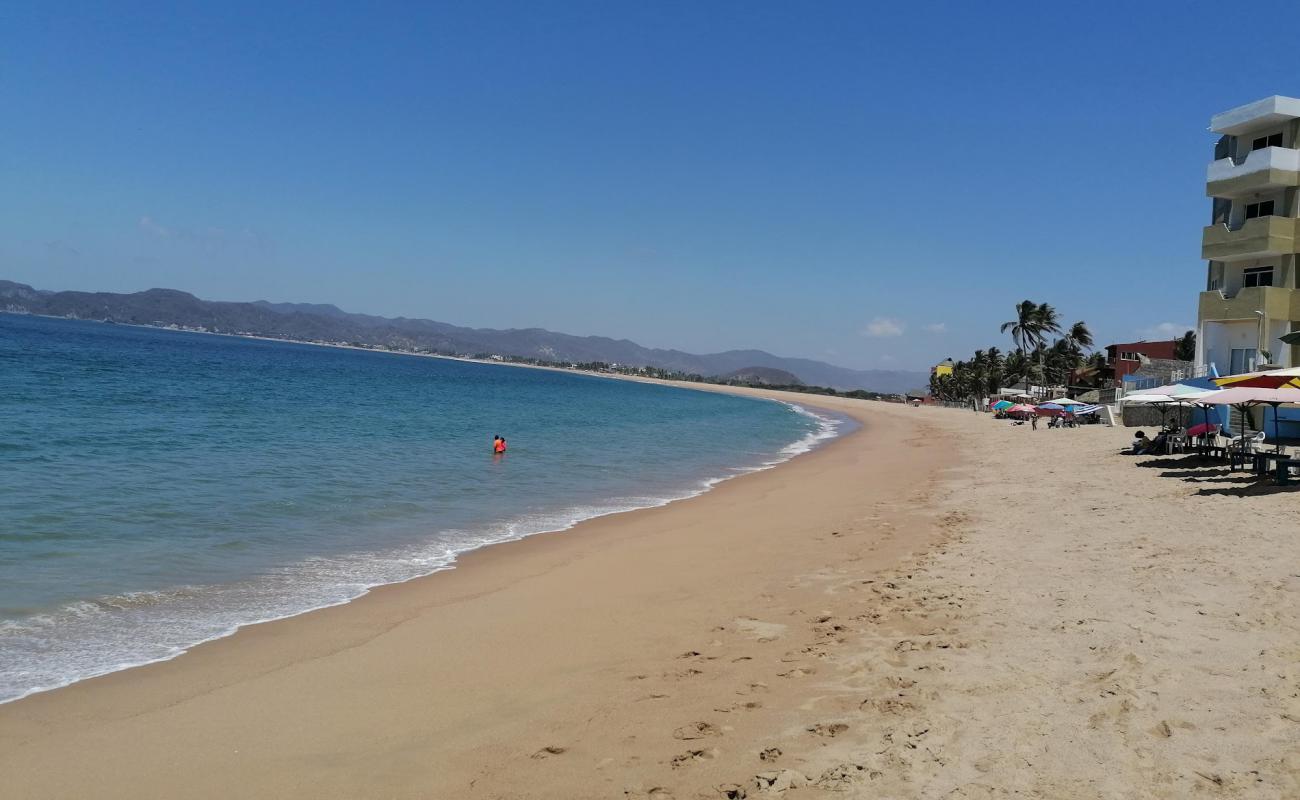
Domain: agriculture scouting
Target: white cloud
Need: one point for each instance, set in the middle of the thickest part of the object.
(1165, 330)
(883, 327)
(937, 327)
(211, 239)
(148, 225)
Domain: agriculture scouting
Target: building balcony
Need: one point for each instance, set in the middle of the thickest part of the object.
(1262, 170)
(1276, 302)
(1271, 111)
(1262, 237)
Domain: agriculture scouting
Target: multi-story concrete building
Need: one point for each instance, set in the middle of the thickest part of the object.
(1252, 293)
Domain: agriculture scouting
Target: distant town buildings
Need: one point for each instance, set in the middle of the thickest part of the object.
(1251, 298)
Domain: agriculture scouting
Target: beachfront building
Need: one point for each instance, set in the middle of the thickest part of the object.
(1154, 358)
(1252, 292)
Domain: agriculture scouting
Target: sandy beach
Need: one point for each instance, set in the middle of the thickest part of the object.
(936, 605)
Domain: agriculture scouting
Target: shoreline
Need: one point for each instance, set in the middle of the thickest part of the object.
(481, 565)
(829, 429)
(893, 615)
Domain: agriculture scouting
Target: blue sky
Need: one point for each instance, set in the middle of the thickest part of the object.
(874, 187)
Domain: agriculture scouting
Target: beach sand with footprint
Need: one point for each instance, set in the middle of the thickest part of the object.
(936, 607)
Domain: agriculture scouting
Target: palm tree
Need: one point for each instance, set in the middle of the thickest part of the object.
(1079, 336)
(1023, 328)
(993, 380)
(1046, 321)
(1017, 367)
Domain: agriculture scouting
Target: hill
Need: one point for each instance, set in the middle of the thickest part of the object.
(330, 324)
(763, 376)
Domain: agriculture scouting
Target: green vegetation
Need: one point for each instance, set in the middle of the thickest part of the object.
(1033, 360)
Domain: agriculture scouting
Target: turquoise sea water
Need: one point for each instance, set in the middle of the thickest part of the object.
(159, 488)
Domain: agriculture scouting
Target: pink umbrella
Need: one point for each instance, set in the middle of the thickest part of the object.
(1245, 397)
(1021, 408)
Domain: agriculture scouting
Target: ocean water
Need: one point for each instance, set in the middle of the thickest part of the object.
(160, 489)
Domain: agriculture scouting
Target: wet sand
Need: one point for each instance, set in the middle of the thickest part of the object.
(937, 605)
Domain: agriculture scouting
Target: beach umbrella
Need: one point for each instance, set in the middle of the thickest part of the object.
(1146, 399)
(1001, 405)
(1049, 409)
(1244, 397)
(1066, 401)
(1020, 408)
(1268, 379)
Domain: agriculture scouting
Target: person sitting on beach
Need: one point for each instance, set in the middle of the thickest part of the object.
(1157, 444)
(1140, 443)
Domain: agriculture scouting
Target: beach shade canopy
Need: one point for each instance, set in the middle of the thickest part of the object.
(1066, 401)
(1251, 396)
(1147, 399)
(1086, 408)
(1246, 396)
(1001, 405)
(1050, 408)
(1020, 408)
(1174, 393)
(1269, 379)
(1177, 390)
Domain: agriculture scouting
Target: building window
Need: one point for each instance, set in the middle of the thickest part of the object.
(1257, 276)
(1267, 141)
(1264, 209)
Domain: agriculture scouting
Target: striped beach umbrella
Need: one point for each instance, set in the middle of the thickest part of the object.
(1267, 379)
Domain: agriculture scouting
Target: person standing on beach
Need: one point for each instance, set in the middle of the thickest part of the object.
(1033, 421)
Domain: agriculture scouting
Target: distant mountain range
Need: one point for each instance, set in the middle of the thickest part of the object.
(327, 323)
(765, 376)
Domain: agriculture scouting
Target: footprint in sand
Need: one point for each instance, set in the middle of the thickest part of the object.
(691, 757)
(770, 754)
(831, 729)
(696, 730)
(548, 751)
(797, 672)
(762, 631)
(681, 674)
